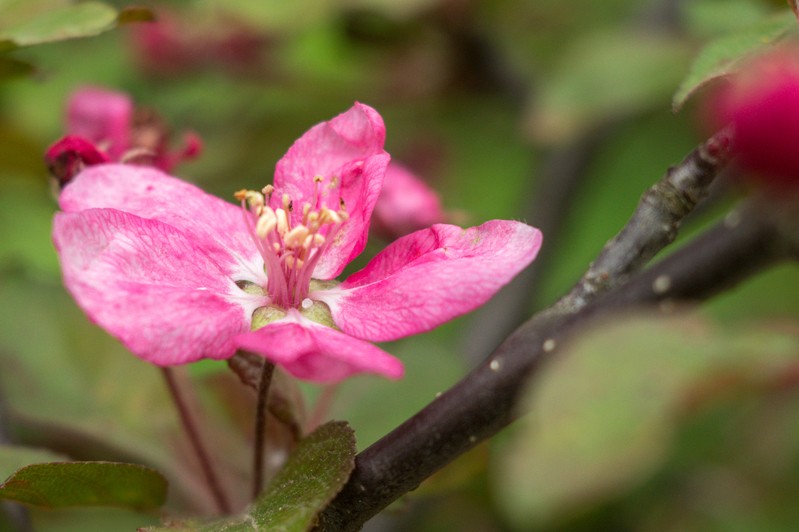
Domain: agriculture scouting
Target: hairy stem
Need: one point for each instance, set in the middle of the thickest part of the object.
(261, 415)
(190, 426)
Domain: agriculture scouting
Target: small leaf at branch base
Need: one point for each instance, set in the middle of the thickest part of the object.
(316, 471)
(314, 474)
(65, 484)
(722, 56)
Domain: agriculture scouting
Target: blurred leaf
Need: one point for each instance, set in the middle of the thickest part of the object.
(722, 56)
(706, 18)
(604, 414)
(604, 76)
(60, 484)
(13, 457)
(315, 472)
(26, 210)
(29, 23)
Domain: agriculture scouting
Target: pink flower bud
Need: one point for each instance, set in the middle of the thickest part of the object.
(761, 103)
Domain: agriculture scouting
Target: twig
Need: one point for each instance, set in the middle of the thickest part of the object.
(655, 222)
(190, 426)
(261, 414)
(484, 401)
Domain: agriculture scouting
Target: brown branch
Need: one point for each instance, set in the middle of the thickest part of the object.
(484, 401)
(655, 222)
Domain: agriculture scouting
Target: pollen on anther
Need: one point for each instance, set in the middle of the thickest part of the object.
(549, 345)
(494, 365)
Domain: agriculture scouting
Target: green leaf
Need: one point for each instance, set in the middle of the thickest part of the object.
(722, 56)
(13, 457)
(316, 471)
(604, 415)
(51, 25)
(64, 484)
(602, 76)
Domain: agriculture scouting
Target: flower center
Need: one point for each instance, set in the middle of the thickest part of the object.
(290, 243)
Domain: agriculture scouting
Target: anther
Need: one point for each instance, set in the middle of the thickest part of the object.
(296, 236)
(282, 221)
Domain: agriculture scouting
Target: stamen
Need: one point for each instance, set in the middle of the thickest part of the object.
(282, 221)
(266, 223)
(291, 248)
(295, 237)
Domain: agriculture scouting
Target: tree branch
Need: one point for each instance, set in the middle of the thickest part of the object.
(484, 401)
(655, 222)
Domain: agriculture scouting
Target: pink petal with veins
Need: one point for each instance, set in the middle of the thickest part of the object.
(150, 193)
(429, 277)
(317, 353)
(347, 152)
(152, 286)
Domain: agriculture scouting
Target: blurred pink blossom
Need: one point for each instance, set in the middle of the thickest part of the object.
(103, 126)
(179, 275)
(175, 44)
(761, 103)
(406, 204)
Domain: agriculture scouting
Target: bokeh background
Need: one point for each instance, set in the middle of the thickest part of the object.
(556, 113)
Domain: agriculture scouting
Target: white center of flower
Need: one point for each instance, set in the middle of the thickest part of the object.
(290, 249)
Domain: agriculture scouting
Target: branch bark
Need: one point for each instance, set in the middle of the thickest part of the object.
(484, 401)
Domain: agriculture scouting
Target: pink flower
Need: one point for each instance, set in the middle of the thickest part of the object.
(103, 126)
(178, 43)
(406, 204)
(761, 103)
(178, 275)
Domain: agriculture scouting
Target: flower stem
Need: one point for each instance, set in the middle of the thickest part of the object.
(267, 370)
(190, 426)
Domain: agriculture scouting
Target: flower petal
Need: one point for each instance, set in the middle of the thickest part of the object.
(428, 277)
(317, 353)
(347, 152)
(150, 193)
(151, 286)
(103, 117)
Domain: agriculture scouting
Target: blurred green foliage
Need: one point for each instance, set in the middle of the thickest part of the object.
(445, 75)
